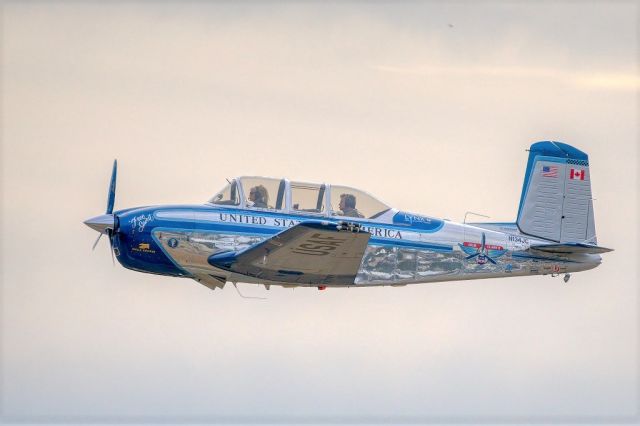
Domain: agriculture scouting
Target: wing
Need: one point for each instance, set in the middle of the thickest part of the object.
(311, 252)
(570, 248)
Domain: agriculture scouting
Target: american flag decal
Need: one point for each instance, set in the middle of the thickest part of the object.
(550, 171)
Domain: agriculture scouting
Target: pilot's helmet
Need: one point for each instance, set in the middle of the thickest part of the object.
(349, 200)
(262, 195)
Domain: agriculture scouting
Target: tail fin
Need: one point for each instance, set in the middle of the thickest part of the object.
(556, 201)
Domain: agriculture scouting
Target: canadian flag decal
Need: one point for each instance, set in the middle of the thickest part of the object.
(576, 174)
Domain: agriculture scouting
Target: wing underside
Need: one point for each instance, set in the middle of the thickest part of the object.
(315, 253)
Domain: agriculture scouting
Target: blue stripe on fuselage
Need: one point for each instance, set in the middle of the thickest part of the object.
(275, 215)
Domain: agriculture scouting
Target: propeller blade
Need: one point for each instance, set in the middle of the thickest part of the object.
(471, 256)
(96, 243)
(112, 188)
(491, 260)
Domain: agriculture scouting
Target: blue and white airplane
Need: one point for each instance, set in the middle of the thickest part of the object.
(279, 232)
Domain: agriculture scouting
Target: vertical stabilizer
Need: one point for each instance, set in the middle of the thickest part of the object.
(556, 202)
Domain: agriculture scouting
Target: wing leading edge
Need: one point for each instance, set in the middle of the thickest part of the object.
(311, 252)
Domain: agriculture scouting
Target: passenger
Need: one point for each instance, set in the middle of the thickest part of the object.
(348, 206)
(259, 196)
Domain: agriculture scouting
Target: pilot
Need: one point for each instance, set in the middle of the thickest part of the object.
(259, 196)
(348, 206)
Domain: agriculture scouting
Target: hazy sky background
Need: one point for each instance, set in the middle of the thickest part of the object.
(430, 106)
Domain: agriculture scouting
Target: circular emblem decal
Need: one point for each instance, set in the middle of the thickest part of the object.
(172, 242)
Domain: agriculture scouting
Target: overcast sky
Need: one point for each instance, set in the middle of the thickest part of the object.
(429, 106)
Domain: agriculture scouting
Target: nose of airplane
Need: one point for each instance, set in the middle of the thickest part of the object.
(102, 223)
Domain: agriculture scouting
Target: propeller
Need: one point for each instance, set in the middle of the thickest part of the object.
(107, 223)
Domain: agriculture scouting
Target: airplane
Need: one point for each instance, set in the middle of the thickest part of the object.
(269, 231)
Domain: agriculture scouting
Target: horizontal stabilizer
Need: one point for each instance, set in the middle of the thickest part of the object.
(570, 248)
(311, 252)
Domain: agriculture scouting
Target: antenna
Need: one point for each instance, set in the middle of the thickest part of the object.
(476, 214)
(247, 297)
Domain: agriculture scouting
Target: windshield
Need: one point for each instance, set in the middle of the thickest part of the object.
(228, 196)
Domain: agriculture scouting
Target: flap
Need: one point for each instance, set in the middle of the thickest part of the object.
(211, 281)
(311, 252)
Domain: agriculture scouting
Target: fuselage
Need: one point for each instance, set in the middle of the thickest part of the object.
(404, 248)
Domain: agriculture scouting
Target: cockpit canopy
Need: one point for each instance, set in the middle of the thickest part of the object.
(269, 194)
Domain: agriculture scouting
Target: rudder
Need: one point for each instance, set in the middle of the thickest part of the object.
(556, 202)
